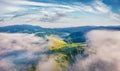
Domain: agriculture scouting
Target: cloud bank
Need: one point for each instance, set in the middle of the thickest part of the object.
(18, 52)
(106, 57)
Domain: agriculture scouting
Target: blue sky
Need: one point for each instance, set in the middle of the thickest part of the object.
(60, 13)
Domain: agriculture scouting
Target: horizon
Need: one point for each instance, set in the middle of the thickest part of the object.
(62, 27)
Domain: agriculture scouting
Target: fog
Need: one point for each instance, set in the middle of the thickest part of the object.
(104, 52)
(18, 52)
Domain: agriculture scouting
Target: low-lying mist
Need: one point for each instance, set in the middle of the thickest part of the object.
(18, 52)
(104, 52)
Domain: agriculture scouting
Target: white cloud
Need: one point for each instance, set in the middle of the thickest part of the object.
(7, 65)
(94, 7)
(19, 51)
(26, 2)
(104, 55)
(103, 50)
(22, 11)
(100, 7)
(115, 16)
(6, 8)
(83, 7)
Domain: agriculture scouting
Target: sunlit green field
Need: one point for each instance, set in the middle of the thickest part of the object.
(64, 54)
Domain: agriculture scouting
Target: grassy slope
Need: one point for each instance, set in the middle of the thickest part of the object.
(64, 53)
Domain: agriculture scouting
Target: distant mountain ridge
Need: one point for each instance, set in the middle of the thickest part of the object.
(37, 30)
(88, 28)
(76, 34)
(21, 28)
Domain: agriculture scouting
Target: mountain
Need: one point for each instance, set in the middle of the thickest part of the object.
(78, 34)
(71, 34)
(21, 29)
(37, 30)
(87, 28)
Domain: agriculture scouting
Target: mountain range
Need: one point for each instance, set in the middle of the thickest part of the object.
(74, 34)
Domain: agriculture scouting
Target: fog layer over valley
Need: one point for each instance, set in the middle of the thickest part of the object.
(20, 49)
(104, 52)
(20, 52)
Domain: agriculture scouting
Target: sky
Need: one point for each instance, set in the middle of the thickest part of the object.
(60, 13)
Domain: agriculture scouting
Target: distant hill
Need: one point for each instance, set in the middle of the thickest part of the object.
(37, 30)
(87, 28)
(21, 29)
(76, 34)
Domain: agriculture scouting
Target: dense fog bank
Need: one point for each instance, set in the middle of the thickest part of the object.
(18, 52)
(104, 52)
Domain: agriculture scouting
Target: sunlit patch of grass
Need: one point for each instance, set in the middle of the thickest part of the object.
(65, 52)
(57, 44)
